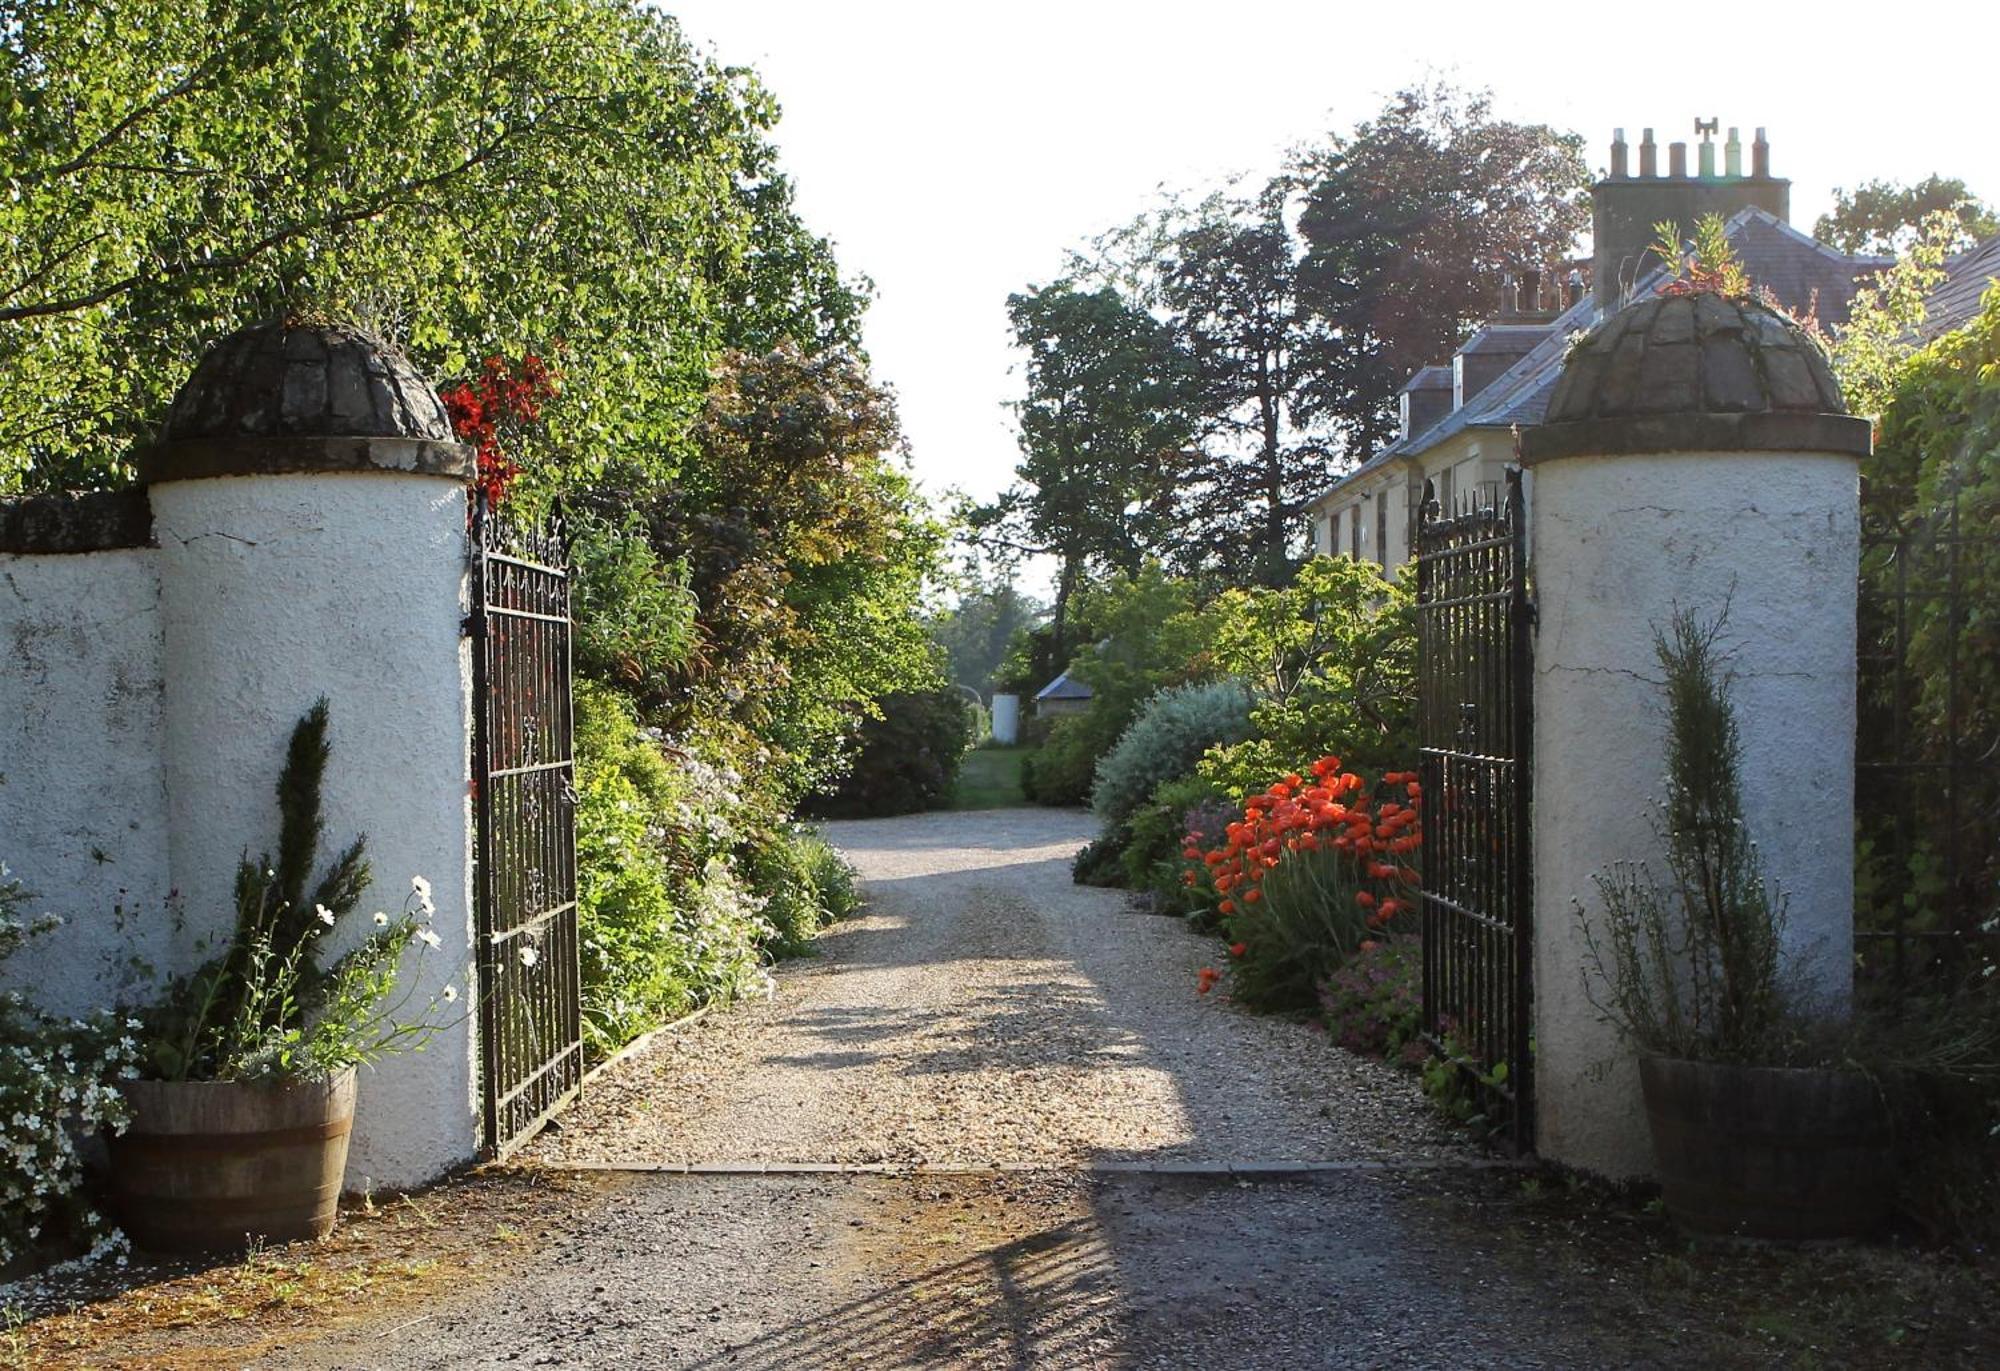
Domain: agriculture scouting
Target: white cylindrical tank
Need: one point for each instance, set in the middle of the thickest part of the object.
(1006, 720)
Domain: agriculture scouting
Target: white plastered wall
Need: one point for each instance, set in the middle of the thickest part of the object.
(82, 798)
(276, 590)
(1619, 542)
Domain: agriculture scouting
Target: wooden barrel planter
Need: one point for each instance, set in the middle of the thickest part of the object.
(209, 1165)
(1769, 1152)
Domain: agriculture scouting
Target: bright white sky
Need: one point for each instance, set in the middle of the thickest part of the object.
(954, 151)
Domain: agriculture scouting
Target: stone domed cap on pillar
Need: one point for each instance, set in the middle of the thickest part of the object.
(288, 396)
(1695, 373)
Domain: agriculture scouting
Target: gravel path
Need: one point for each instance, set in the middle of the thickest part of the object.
(1049, 1271)
(988, 1011)
(983, 1010)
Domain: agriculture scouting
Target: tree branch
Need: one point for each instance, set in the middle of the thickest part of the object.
(370, 209)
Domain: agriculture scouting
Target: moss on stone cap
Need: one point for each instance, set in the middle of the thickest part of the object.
(1695, 373)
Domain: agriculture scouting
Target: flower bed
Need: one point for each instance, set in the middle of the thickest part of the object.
(1313, 872)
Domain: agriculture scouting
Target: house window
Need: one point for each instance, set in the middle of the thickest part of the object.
(1354, 531)
(1444, 492)
(1382, 528)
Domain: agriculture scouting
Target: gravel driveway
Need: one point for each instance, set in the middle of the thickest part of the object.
(986, 1010)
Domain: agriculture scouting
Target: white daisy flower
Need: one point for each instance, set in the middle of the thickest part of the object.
(422, 888)
(429, 939)
(325, 914)
(381, 919)
(530, 955)
(450, 994)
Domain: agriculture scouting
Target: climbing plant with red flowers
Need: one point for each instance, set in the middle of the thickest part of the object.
(1314, 870)
(495, 410)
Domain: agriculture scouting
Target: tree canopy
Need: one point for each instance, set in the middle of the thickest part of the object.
(1409, 222)
(561, 176)
(1204, 371)
(1884, 217)
(1230, 283)
(1103, 430)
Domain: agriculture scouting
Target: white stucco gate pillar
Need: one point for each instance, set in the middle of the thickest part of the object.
(309, 503)
(1696, 454)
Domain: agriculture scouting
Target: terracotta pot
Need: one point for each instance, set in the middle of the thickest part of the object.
(210, 1165)
(1769, 1152)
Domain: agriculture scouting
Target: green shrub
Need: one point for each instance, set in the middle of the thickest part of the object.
(1373, 1003)
(1172, 731)
(1303, 924)
(635, 616)
(1155, 836)
(1060, 772)
(905, 761)
(665, 925)
(804, 884)
(1101, 861)
(1332, 662)
(838, 886)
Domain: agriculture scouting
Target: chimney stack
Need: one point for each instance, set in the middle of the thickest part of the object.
(1625, 208)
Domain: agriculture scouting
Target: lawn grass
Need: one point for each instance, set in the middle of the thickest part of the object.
(990, 779)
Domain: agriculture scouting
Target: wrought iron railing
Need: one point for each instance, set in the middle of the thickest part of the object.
(1473, 723)
(524, 778)
(1927, 748)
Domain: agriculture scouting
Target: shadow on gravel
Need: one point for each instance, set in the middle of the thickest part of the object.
(1037, 1301)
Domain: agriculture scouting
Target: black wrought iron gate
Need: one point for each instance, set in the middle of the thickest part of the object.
(524, 780)
(1474, 640)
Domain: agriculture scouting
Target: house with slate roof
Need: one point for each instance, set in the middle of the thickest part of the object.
(1967, 278)
(1460, 419)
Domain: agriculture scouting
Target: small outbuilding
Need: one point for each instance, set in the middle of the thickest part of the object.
(1064, 695)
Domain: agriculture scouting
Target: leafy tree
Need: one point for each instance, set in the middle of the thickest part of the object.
(806, 546)
(1409, 222)
(1884, 217)
(1934, 475)
(977, 634)
(1230, 281)
(464, 175)
(1103, 428)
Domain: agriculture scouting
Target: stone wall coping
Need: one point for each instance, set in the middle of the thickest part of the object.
(194, 459)
(1664, 434)
(101, 521)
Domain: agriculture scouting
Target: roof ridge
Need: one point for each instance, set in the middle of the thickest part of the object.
(1755, 212)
